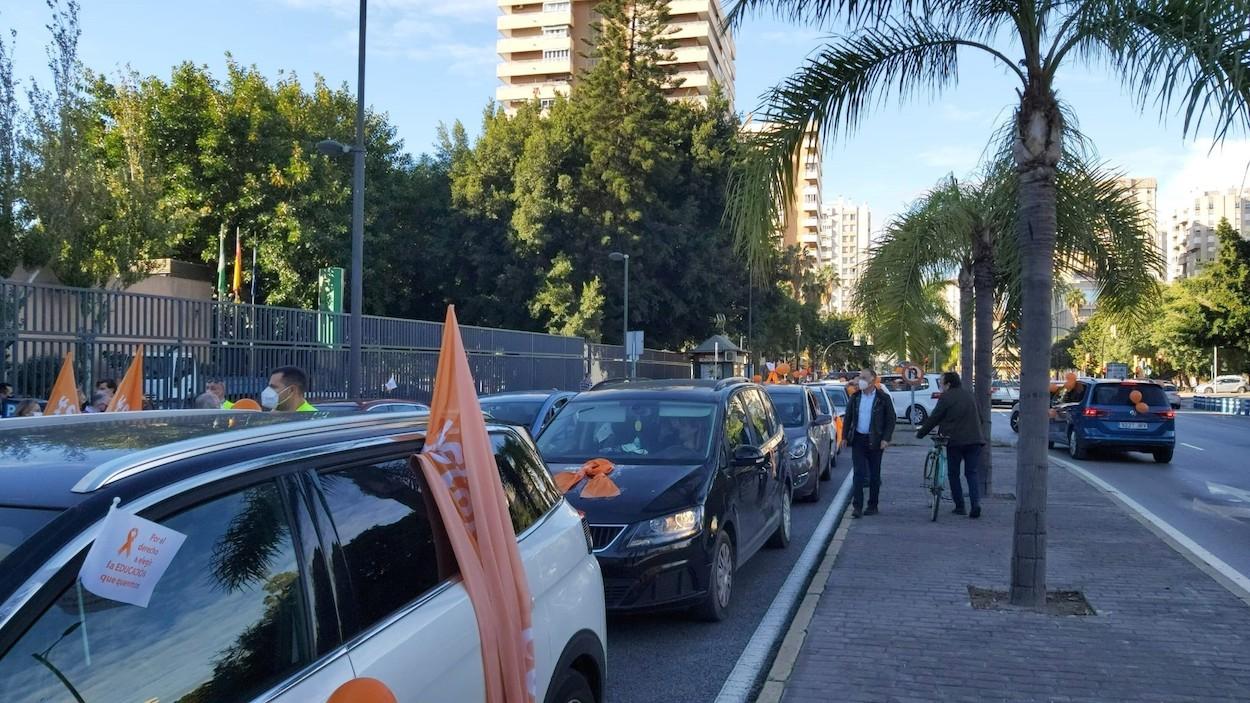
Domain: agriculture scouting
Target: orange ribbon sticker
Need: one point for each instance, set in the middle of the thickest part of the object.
(599, 485)
(130, 540)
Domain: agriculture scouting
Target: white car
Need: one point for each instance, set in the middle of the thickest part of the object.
(1173, 394)
(314, 555)
(926, 396)
(1224, 384)
(1004, 393)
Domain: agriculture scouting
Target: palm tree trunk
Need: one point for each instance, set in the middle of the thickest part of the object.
(983, 385)
(1037, 148)
(966, 313)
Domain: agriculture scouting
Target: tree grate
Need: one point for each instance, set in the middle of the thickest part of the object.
(1057, 602)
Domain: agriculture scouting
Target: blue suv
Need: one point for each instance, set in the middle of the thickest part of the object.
(1100, 413)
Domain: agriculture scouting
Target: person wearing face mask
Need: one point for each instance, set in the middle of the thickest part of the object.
(287, 385)
(868, 428)
(956, 414)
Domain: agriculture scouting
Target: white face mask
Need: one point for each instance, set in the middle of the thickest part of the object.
(863, 385)
(269, 399)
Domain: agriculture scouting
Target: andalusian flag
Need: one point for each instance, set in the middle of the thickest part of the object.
(129, 394)
(64, 397)
(458, 463)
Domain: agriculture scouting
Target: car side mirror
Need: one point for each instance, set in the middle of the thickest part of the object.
(748, 456)
(822, 420)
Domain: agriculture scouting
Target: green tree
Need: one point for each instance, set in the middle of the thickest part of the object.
(12, 227)
(1163, 50)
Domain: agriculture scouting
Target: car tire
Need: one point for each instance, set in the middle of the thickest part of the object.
(918, 415)
(1076, 449)
(1163, 456)
(1015, 422)
(572, 688)
(715, 605)
(780, 538)
(1208, 390)
(1241, 389)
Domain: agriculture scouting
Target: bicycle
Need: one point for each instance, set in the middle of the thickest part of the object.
(935, 473)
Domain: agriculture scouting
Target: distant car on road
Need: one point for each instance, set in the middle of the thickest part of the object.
(531, 410)
(1004, 393)
(375, 405)
(810, 433)
(1099, 413)
(1224, 384)
(1174, 395)
(704, 483)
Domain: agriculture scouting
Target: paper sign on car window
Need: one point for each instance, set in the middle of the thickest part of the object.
(128, 557)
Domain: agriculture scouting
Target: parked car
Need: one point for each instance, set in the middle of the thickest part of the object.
(375, 405)
(928, 391)
(1015, 417)
(1174, 395)
(532, 410)
(1098, 413)
(1004, 393)
(1224, 384)
(835, 394)
(313, 555)
(704, 483)
(810, 434)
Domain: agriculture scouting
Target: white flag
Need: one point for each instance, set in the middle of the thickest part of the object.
(391, 385)
(128, 557)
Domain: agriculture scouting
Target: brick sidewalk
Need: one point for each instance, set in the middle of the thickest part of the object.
(895, 623)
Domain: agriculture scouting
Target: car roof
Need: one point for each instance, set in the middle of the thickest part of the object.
(521, 395)
(786, 387)
(686, 388)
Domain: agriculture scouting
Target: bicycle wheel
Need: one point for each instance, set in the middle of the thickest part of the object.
(935, 499)
(939, 482)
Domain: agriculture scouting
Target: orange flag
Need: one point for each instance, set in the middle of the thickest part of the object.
(237, 283)
(459, 466)
(64, 397)
(129, 395)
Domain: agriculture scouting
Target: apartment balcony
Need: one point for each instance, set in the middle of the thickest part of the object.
(511, 45)
(529, 91)
(700, 55)
(690, 7)
(528, 20)
(535, 67)
(693, 79)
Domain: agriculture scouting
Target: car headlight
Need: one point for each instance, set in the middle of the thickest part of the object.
(798, 451)
(668, 528)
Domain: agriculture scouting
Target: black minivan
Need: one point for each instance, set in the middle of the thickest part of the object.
(704, 483)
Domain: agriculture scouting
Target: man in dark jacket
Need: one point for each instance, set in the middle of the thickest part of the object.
(956, 414)
(867, 429)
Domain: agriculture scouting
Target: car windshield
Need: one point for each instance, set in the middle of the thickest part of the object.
(18, 524)
(517, 412)
(789, 407)
(1118, 394)
(1170, 388)
(631, 430)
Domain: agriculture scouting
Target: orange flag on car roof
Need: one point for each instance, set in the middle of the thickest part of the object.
(64, 397)
(129, 395)
(459, 465)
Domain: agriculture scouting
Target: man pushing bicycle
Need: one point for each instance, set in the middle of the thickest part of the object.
(956, 415)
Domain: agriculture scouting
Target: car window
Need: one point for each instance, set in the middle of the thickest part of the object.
(738, 428)
(18, 524)
(1075, 394)
(517, 412)
(639, 430)
(792, 407)
(226, 621)
(822, 401)
(1118, 394)
(383, 516)
(526, 482)
(763, 416)
(839, 396)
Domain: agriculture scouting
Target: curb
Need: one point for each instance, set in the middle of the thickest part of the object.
(1228, 577)
(777, 632)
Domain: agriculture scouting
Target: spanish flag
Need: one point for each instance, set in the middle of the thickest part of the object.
(63, 400)
(237, 283)
(129, 394)
(458, 463)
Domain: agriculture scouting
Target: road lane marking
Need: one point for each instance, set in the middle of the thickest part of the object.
(1237, 494)
(1187, 444)
(1236, 582)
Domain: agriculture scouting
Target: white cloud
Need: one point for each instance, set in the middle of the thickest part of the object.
(959, 159)
(1200, 168)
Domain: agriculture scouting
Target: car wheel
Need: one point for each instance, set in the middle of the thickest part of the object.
(780, 538)
(918, 414)
(1163, 456)
(1208, 390)
(720, 583)
(1241, 389)
(1076, 449)
(1015, 421)
(572, 688)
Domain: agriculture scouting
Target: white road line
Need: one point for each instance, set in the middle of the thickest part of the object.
(1233, 580)
(1187, 444)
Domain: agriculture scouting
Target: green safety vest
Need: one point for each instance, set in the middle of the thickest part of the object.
(307, 407)
(226, 405)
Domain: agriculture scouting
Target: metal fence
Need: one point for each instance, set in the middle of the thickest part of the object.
(1226, 405)
(187, 342)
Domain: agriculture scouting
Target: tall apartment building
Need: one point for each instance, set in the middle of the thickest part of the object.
(1191, 234)
(1146, 192)
(544, 47)
(848, 236)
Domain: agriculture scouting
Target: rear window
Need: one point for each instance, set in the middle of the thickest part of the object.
(515, 412)
(791, 407)
(1118, 394)
(838, 395)
(18, 524)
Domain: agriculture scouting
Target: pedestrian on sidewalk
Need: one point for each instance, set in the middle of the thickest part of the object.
(869, 428)
(957, 417)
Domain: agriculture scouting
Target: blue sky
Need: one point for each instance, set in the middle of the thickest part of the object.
(434, 60)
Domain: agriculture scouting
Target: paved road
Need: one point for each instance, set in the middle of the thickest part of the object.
(671, 657)
(1205, 491)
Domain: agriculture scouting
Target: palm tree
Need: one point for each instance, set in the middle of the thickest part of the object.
(1074, 299)
(1192, 52)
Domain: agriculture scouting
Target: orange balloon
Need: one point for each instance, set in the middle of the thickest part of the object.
(1142, 408)
(1134, 397)
(757, 378)
(246, 404)
(783, 368)
(1054, 388)
(1069, 381)
(363, 690)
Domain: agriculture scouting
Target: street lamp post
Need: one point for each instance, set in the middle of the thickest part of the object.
(855, 341)
(631, 366)
(357, 150)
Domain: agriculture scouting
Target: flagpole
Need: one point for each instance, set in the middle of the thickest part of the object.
(221, 262)
(253, 273)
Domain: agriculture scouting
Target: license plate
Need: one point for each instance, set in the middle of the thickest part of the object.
(1133, 425)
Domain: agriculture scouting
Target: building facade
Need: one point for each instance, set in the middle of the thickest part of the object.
(847, 235)
(1146, 192)
(544, 47)
(1192, 243)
